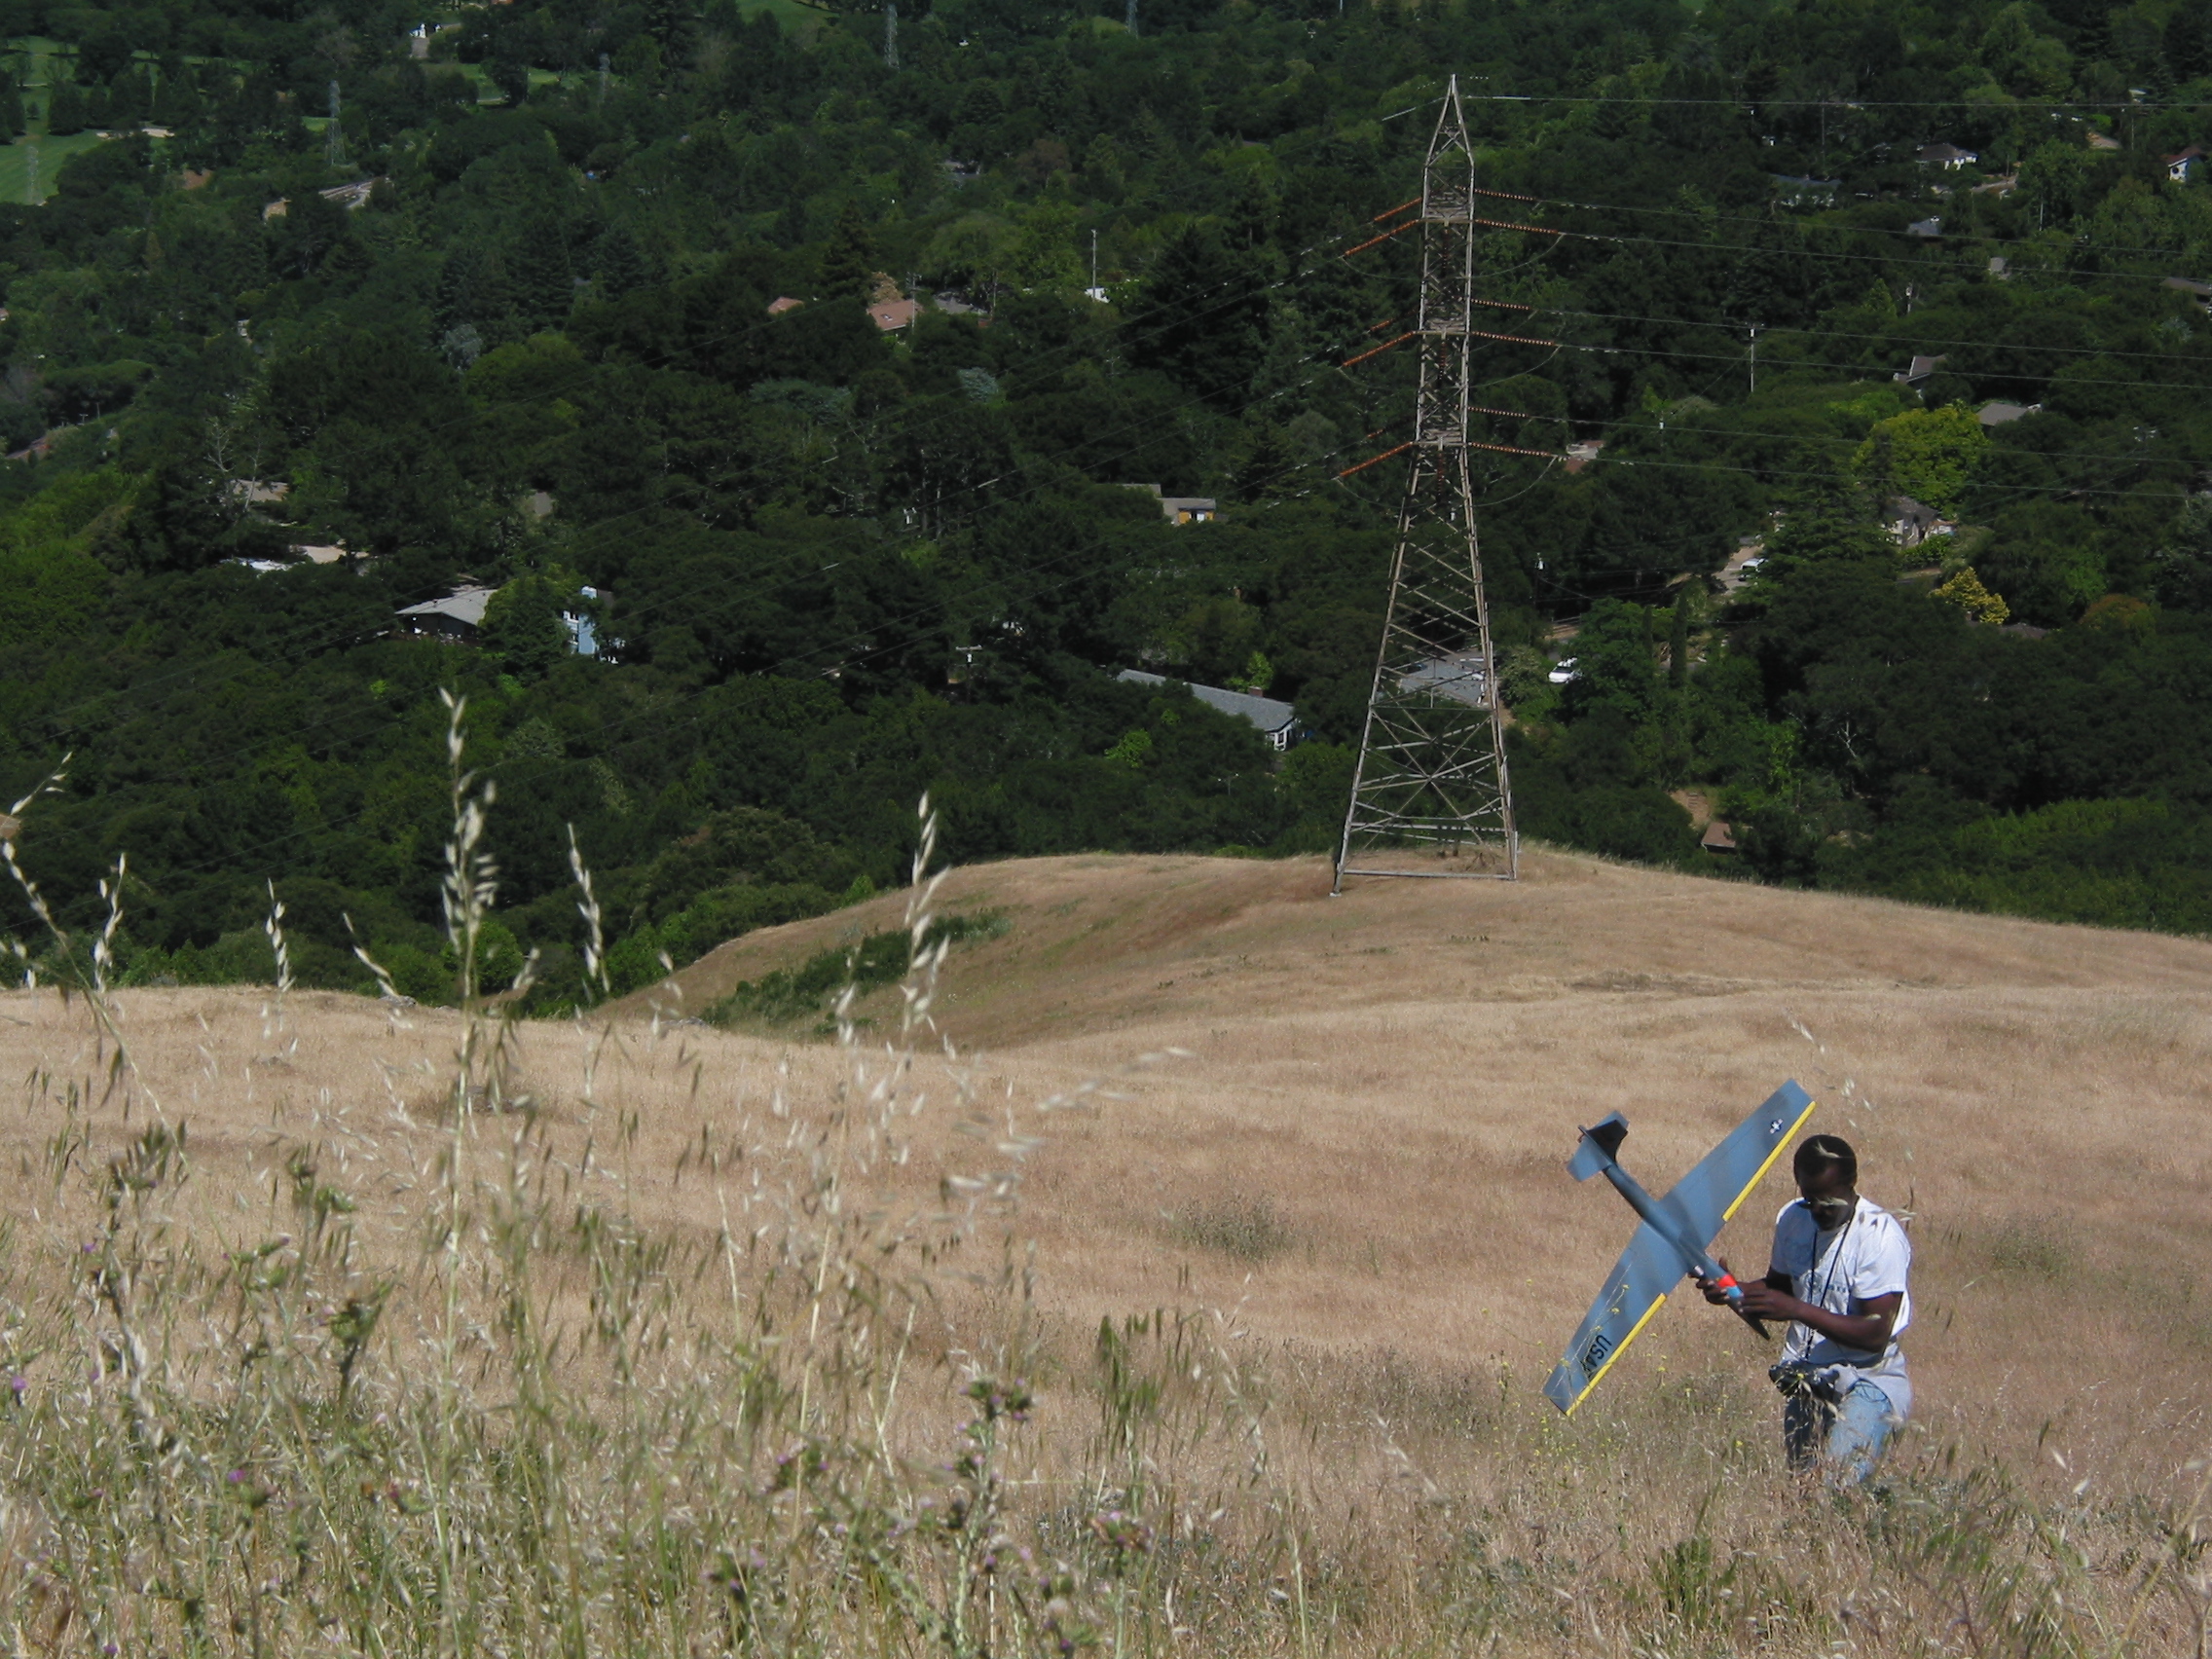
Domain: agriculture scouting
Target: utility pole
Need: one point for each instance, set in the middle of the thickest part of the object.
(334, 134)
(603, 77)
(1129, 18)
(891, 34)
(1429, 794)
(1754, 391)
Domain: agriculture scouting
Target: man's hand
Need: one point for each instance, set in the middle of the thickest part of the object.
(1760, 1300)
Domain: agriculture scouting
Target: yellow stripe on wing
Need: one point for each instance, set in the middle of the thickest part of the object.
(1729, 1214)
(1597, 1376)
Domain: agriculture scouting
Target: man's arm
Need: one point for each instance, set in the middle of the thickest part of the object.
(1771, 1299)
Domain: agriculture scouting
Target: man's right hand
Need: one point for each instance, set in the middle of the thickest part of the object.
(1712, 1287)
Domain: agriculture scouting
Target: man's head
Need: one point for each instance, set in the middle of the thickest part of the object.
(1828, 1179)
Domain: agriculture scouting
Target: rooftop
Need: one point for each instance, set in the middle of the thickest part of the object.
(463, 605)
(1269, 715)
(1178, 509)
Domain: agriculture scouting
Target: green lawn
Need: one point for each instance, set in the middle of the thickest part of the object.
(15, 164)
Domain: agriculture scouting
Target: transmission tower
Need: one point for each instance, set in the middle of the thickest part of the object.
(336, 134)
(1429, 795)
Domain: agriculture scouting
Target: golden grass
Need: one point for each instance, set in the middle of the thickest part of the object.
(1350, 1202)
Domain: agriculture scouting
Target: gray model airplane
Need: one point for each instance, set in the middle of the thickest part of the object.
(1677, 1233)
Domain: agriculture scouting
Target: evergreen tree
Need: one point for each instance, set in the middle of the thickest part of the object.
(176, 98)
(523, 627)
(509, 73)
(619, 264)
(13, 123)
(144, 82)
(64, 109)
(468, 287)
(2189, 43)
(848, 266)
(671, 22)
(1203, 315)
(541, 280)
(1679, 643)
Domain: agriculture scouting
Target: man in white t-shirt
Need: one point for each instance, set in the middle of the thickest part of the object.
(1838, 1276)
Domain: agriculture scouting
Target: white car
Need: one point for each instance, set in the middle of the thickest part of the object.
(1562, 670)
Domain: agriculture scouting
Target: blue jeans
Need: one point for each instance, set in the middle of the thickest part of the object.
(1845, 1438)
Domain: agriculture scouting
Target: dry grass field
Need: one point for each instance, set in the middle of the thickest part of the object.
(687, 1340)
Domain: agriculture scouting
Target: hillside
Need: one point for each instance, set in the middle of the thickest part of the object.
(1101, 942)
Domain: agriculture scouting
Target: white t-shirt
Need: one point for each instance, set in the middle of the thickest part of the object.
(1869, 1256)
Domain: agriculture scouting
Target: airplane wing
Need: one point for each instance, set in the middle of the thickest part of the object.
(1709, 1195)
(1649, 1269)
(1652, 1265)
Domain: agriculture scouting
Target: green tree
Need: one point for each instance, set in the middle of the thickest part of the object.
(1044, 252)
(2026, 64)
(848, 264)
(541, 280)
(523, 627)
(970, 251)
(65, 109)
(1926, 454)
(2053, 179)
(1203, 315)
(618, 266)
(1614, 666)
(1964, 590)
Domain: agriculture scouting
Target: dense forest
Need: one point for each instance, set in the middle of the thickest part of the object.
(799, 360)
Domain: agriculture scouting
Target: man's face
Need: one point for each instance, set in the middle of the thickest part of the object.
(1829, 1197)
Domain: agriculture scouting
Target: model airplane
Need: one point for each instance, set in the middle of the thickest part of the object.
(1677, 1233)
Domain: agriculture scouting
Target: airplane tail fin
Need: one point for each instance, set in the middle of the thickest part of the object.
(1599, 1147)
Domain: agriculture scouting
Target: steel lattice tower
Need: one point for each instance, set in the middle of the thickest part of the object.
(1429, 796)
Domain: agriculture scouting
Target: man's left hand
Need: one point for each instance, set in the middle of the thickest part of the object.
(1761, 1300)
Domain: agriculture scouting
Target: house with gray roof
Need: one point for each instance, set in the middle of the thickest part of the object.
(1179, 509)
(1277, 722)
(456, 616)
